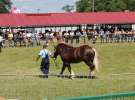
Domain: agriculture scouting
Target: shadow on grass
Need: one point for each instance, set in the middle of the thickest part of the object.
(68, 76)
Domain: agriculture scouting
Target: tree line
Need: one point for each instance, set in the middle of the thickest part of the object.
(102, 5)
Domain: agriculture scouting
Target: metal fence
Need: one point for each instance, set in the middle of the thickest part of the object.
(118, 96)
(35, 87)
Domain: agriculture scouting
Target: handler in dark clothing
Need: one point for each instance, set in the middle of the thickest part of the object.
(45, 63)
(1, 40)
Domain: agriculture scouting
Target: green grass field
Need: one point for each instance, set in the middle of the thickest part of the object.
(114, 59)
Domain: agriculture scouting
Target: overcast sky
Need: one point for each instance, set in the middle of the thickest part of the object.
(45, 6)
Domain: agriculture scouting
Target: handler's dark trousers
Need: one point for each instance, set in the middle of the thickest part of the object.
(45, 67)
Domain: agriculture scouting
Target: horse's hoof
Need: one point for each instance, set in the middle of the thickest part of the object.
(71, 78)
(58, 76)
(92, 77)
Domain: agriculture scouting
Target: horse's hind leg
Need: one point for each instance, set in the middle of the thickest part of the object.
(91, 69)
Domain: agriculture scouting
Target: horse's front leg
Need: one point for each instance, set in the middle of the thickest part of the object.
(63, 68)
(72, 75)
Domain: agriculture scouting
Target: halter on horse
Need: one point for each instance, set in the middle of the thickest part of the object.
(71, 54)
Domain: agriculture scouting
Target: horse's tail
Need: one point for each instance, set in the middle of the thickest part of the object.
(96, 61)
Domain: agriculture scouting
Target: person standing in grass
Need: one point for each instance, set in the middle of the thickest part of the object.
(10, 39)
(1, 42)
(44, 54)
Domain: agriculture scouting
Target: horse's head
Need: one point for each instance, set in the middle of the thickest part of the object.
(59, 50)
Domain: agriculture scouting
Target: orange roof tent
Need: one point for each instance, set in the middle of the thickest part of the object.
(62, 19)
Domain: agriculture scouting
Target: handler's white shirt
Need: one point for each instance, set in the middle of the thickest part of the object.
(44, 52)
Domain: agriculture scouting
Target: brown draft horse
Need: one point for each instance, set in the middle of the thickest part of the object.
(71, 54)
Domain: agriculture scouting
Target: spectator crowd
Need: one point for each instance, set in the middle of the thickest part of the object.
(28, 39)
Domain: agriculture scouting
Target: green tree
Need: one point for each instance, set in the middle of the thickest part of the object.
(83, 5)
(105, 5)
(5, 6)
(68, 8)
(130, 5)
